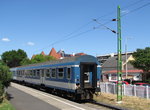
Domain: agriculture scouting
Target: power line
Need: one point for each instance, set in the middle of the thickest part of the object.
(77, 35)
(137, 9)
(65, 36)
(104, 25)
(62, 40)
(130, 5)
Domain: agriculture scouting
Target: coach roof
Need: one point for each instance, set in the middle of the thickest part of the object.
(75, 60)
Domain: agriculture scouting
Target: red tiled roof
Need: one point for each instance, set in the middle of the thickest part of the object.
(54, 54)
(130, 71)
(42, 53)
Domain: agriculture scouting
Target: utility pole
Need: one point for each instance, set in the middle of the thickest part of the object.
(119, 62)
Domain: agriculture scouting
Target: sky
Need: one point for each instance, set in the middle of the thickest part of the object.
(39, 25)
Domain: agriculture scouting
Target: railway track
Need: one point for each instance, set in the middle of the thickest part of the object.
(106, 106)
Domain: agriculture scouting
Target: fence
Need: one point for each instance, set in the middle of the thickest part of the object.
(128, 90)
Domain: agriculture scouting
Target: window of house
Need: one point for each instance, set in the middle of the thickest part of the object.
(47, 72)
(68, 73)
(60, 72)
(53, 74)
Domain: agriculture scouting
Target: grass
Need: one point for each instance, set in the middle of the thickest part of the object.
(5, 105)
(129, 102)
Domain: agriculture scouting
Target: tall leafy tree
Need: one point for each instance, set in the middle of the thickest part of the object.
(13, 58)
(142, 61)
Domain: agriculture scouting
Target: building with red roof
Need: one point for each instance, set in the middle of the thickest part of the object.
(42, 53)
(109, 68)
(54, 54)
(59, 55)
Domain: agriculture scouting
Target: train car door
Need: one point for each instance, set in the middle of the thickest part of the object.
(42, 78)
(88, 75)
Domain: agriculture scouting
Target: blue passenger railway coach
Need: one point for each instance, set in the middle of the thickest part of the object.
(77, 77)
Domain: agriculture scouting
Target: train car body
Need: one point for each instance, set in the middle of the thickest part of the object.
(77, 77)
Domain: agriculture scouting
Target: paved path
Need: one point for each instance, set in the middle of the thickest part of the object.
(23, 101)
(41, 99)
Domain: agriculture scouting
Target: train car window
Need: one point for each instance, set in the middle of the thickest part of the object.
(30, 73)
(60, 72)
(24, 73)
(42, 73)
(38, 73)
(53, 74)
(68, 73)
(18, 73)
(47, 71)
(34, 72)
(21, 72)
(27, 73)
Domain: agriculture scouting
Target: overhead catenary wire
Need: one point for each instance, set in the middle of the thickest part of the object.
(70, 35)
(74, 36)
(62, 40)
(137, 9)
(104, 25)
(130, 5)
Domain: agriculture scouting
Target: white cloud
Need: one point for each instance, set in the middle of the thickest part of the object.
(30, 43)
(5, 39)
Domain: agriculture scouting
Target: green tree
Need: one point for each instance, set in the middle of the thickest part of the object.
(13, 58)
(142, 61)
(37, 59)
(5, 77)
(41, 58)
(49, 58)
(1, 91)
(25, 61)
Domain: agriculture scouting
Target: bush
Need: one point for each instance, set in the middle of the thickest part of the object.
(1, 91)
(5, 77)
